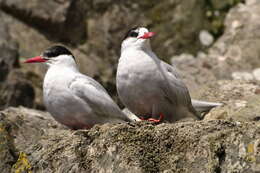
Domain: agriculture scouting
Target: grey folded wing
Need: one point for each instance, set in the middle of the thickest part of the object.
(174, 87)
(97, 98)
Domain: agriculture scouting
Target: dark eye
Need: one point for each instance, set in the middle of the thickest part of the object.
(50, 54)
(133, 34)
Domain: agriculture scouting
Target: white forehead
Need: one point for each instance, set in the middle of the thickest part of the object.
(143, 30)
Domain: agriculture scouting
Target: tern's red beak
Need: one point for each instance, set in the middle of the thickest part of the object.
(147, 35)
(36, 59)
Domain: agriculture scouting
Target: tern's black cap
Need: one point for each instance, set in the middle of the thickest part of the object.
(131, 33)
(55, 51)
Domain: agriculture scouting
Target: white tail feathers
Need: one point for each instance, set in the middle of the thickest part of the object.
(131, 115)
(203, 106)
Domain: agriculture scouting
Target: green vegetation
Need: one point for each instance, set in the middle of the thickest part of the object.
(216, 12)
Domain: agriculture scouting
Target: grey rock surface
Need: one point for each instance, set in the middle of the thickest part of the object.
(8, 52)
(256, 73)
(206, 38)
(241, 99)
(15, 89)
(242, 76)
(237, 50)
(57, 19)
(41, 145)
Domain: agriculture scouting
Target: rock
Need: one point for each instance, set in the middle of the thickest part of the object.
(218, 5)
(234, 53)
(242, 76)
(206, 38)
(14, 88)
(256, 73)
(59, 20)
(241, 99)
(196, 72)
(8, 52)
(17, 90)
(7, 149)
(203, 146)
(29, 125)
(20, 128)
(249, 2)
(237, 49)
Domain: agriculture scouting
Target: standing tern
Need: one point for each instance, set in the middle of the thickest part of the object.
(151, 88)
(72, 98)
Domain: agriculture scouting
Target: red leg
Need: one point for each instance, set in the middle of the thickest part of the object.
(157, 120)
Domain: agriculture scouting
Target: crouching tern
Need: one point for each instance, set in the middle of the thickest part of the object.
(151, 88)
(72, 98)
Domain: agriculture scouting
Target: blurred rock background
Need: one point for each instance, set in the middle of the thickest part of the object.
(215, 44)
(93, 30)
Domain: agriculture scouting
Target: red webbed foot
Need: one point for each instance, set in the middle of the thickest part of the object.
(153, 119)
(156, 120)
